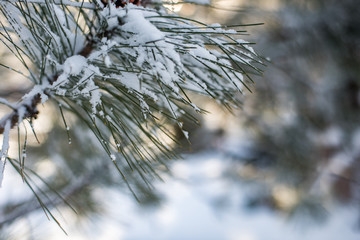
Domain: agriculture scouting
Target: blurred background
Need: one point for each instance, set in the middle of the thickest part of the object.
(285, 166)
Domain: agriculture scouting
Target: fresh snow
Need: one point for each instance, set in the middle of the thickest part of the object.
(74, 65)
(143, 31)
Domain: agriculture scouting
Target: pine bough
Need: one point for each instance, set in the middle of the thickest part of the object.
(124, 71)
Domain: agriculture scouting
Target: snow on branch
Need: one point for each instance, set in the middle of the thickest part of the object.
(124, 71)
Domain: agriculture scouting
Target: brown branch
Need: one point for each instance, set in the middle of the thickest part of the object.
(31, 112)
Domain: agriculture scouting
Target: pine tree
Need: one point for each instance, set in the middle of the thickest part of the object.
(127, 70)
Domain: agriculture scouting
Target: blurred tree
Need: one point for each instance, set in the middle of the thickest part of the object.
(305, 115)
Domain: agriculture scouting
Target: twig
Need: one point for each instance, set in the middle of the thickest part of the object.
(30, 112)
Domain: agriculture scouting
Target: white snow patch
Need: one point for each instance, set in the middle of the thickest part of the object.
(4, 149)
(74, 65)
(107, 61)
(144, 31)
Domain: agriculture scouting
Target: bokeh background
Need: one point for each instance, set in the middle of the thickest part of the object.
(284, 166)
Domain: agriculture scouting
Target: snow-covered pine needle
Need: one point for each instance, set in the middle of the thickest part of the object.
(125, 72)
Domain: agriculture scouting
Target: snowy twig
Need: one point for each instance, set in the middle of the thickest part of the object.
(30, 104)
(26, 109)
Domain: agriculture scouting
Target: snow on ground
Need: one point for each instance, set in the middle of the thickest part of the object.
(190, 212)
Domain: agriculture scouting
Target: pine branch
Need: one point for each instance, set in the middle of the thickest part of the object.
(126, 73)
(30, 103)
(28, 107)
